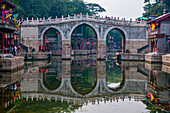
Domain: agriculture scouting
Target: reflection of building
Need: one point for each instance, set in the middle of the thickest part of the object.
(7, 27)
(9, 96)
(158, 87)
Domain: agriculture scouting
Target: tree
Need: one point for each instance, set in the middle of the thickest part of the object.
(95, 8)
(156, 9)
(47, 8)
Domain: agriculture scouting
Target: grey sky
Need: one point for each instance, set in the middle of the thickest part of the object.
(121, 8)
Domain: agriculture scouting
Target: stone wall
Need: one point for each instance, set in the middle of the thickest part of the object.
(38, 56)
(10, 63)
(132, 45)
(101, 69)
(29, 37)
(66, 49)
(153, 58)
(165, 27)
(166, 59)
(33, 44)
(101, 50)
(166, 69)
(161, 45)
(132, 57)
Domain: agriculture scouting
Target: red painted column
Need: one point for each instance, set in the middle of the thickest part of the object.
(3, 43)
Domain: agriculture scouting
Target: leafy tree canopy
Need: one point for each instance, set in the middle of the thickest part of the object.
(156, 8)
(47, 8)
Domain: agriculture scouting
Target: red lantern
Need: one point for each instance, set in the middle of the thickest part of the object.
(14, 37)
(5, 35)
(17, 37)
(46, 41)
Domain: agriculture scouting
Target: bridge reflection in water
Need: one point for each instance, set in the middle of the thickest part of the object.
(83, 80)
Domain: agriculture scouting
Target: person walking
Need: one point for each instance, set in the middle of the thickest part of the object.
(18, 50)
(14, 51)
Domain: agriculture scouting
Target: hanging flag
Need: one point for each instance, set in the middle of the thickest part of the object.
(15, 16)
(2, 6)
(10, 9)
(152, 97)
(153, 27)
(18, 24)
(5, 12)
(9, 15)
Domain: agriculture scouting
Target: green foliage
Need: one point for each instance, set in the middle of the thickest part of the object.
(113, 73)
(47, 8)
(116, 34)
(95, 8)
(40, 106)
(155, 9)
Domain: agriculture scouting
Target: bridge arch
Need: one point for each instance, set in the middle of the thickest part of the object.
(84, 23)
(51, 27)
(55, 45)
(123, 33)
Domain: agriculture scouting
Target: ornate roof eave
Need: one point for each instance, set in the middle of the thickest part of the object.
(162, 17)
(9, 3)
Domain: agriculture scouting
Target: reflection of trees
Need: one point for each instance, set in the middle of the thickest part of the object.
(51, 82)
(44, 106)
(113, 73)
(52, 75)
(83, 79)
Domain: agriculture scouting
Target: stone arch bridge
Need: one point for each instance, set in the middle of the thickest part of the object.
(133, 32)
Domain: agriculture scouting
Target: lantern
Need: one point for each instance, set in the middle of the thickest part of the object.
(2, 6)
(46, 41)
(17, 37)
(5, 35)
(14, 37)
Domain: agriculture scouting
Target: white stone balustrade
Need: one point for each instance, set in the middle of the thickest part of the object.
(115, 21)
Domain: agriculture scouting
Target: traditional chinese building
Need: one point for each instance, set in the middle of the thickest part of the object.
(7, 26)
(159, 34)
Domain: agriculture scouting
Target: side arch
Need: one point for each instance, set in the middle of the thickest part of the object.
(51, 27)
(123, 33)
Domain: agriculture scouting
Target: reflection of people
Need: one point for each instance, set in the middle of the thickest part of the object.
(40, 47)
(10, 49)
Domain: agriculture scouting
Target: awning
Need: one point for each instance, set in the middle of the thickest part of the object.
(143, 18)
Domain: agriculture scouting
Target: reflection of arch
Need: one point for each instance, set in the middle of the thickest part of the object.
(47, 29)
(81, 68)
(47, 85)
(122, 82)
(100, 83)
(84, 92)
(123, 33)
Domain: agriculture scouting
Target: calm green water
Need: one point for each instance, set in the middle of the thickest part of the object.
(85, 85)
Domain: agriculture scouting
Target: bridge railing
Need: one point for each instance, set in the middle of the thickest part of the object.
(108, 20)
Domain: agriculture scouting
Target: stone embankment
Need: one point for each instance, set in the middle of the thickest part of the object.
(10, 63)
